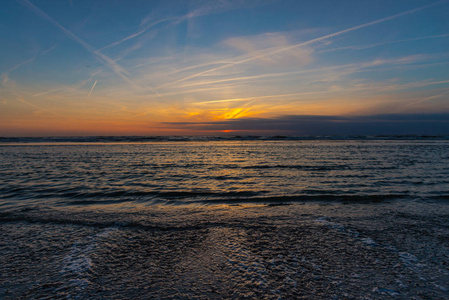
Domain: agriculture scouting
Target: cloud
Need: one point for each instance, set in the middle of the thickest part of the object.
(5, 75)
(136, 34)
(255, 45)
(310, 74)
(391, 124)
(202, 8)
(428, 98)
(278, 50)
(97, 54)
(47, 92)
(91, 90)
(363, 47)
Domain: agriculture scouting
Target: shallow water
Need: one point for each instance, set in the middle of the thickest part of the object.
(225, 219)
(223, 172)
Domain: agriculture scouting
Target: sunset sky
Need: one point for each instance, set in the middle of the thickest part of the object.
(117, 67)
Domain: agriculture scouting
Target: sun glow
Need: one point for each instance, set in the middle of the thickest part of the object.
(197, 66)
(236, 113)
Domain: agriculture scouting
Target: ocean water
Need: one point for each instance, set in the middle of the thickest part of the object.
(363, 218)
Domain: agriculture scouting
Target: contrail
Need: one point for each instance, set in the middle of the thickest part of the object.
(175, 20)
(47, 92)
(75, 86)
(261, 97)
(5, 75)
(103, 58)
(136, 34)
(225, 100)
(268, 75)
(386, 43)
(426, 99)
(95, 83)
(100, 56)
(21, 99)
(313, 41)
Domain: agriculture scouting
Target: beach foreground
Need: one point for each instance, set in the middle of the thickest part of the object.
(313, 250)
(318, 219)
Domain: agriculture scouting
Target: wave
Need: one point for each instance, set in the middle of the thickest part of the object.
(85, 195)
(300, 167)
(81, 195)
(100, 219)
(247, 198)
(276, 200)
(96, 220)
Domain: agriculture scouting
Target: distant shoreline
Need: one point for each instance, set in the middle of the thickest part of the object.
(127, 139)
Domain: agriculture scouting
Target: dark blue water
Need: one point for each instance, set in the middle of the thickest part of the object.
(212, 219)
(223, 172)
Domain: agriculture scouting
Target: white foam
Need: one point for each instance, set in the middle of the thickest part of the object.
(77, 264)
(368, 241)
(444, 289)
(412, 263)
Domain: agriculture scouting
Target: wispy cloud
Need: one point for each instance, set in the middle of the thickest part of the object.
(343, 70)
(48, 92)
(21, 99)
(95, 83)
(303, 44)
(224, 67)
(206, 8)
(362, 47)
(429, 98)
(73, 88)
(306, 80)
(97, 54)
(5, 75)
(136, 34)
(103, 58)
(277, 96)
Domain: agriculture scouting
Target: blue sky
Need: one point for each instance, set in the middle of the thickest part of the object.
(73, 67)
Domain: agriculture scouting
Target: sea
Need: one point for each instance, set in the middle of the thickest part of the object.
(231, 217)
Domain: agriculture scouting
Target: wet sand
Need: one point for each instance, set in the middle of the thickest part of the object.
(382, 250)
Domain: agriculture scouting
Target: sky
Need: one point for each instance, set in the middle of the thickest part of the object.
(238, 67)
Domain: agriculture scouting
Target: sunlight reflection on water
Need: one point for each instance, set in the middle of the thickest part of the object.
(223, 172)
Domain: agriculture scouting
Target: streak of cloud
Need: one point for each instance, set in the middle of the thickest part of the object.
(313, 41)
(260, 97)
(47, 92)
(97, 54)
(323, 75)
(271, 75)
(209, 9)
(101, 57)
(425, 99)
(385, 43)
(22, 100)
(69, 87)
(136, 34)
(5, 75)
(93, 86)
